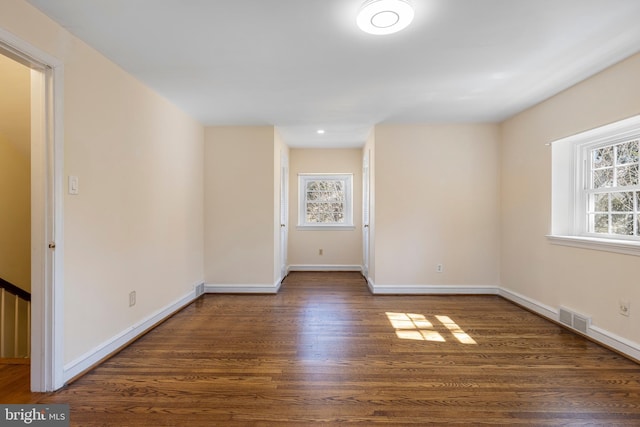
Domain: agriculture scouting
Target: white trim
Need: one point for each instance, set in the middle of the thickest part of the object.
(124, 338)
(324, 267)
(623, 345)
(606, 133)
(370, 284)
(242, 288)
(626, 247)
(417, 289)
(325, 227)
(533, 305)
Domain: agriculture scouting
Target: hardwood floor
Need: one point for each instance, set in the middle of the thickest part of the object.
(14, 381)
(325, 350)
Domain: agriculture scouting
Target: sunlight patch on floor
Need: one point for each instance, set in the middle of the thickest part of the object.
(412, 326)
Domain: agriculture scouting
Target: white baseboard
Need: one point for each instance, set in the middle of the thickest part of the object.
(102, 351)
(241, 288)
(370, 284)
(431, 289)
(533, 305)
(324, 267)
(623, 345)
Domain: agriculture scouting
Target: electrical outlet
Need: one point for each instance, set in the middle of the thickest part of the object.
(132, 298)
(320, 251)
(624, 307)
(439, 268)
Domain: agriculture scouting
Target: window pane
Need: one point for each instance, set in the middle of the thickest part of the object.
(334, 196)
(622, 224)
(627, 175)
(314, 212)
(601, 202)
(622, 202)
(602, 157)
(327, 185)
(325, 196)
(627, 152)
(600, 223)
(335, 207)
(603, 178)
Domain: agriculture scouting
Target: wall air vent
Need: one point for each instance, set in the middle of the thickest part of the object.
(581, 323)
(199, 289)
(574, 320)
(566, 317)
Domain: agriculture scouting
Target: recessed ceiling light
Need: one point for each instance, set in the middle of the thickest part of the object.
(381, 17)
(320, 131)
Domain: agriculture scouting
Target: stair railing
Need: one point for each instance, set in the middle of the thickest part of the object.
(15, 321)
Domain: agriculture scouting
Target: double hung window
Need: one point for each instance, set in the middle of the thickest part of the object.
(325, 201)
(596, 188)
(612, 191)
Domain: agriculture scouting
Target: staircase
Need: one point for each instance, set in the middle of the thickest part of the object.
(15, 321)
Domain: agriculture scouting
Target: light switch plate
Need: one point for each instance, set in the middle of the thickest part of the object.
(73, 184)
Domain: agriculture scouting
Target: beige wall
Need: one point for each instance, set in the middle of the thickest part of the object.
(15, 173)
(137, 223)
(587, 281)
(340, 247)
(436, 201)
(240, 215)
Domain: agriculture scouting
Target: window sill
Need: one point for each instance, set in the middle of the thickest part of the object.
(325, 227)
(608, 245)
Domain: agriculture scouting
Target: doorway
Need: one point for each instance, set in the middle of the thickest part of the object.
(15, 217)
(44, 194)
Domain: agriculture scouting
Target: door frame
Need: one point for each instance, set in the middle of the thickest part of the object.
(366, 212)
(47, 72)
(284, 214)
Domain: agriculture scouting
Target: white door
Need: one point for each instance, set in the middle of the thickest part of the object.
(365, 214)
(284, 212)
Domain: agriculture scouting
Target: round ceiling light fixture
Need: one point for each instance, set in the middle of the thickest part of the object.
(381, 17)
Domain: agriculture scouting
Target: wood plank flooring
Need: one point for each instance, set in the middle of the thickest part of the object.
(324, 350)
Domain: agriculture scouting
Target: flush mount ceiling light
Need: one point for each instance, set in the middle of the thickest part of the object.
(384, 16)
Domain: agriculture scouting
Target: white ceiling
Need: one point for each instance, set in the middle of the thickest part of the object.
(302, 65)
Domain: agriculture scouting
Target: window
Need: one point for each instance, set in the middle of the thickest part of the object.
(611, 191)
(325, 201)
(596, 188)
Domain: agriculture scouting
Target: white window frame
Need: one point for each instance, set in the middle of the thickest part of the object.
(570, 188)
(303, 179)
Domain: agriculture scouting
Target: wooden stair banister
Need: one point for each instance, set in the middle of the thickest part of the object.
(7, 335)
